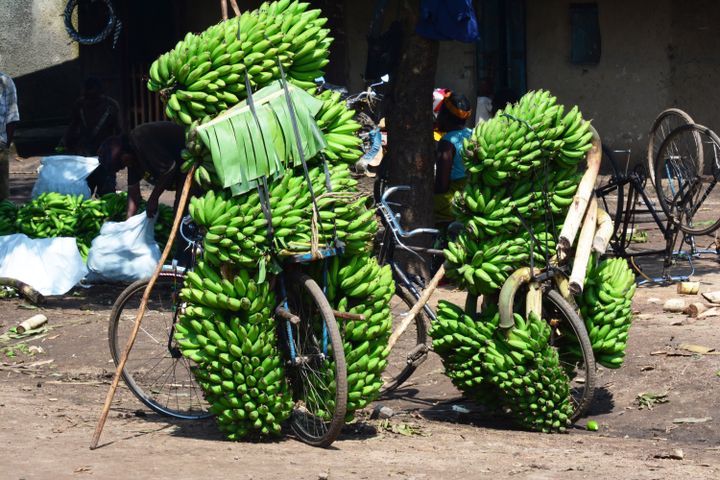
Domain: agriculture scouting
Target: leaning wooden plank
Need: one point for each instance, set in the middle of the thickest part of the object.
(584, 248)
(580, 201)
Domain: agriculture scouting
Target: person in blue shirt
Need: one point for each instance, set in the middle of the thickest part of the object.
(449, 168)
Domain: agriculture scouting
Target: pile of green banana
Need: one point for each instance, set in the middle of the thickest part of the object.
(522, 172)
(517, 370)
(606, 308)
(54, 214)
(8, 215)
(205, 73)
(227, 329)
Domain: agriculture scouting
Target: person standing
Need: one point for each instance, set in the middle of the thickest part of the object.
(9, 116)
(95, 117)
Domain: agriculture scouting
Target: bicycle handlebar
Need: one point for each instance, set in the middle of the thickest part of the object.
(392, 218)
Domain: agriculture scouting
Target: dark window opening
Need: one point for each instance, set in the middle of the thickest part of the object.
(584, 34)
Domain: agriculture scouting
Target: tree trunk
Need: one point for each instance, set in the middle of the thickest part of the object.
(411, 151)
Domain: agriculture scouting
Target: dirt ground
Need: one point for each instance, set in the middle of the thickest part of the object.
(50, 402)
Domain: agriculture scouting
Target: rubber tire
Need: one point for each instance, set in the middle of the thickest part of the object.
(655, 143)
(336, 343)
(699, 132)
(117, 346)
(582, 403)
(421, 323)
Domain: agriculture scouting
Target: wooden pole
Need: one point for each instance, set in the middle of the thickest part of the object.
(23, 289)
(604, 231)
(141, 311)
(580, 201)
(424, 297)
(584, 248)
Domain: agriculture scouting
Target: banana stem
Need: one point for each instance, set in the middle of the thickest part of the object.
(143, 304)
(506, 301)
(603, 233)
(584, 248)
(580, 201)
(23, 289)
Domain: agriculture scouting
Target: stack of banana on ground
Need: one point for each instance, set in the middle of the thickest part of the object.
(228, 328)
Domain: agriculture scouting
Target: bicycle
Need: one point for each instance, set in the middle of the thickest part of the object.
(162, 379)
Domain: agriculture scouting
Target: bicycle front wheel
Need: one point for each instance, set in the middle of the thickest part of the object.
(315, 363)
(569, 336)
(681, 186)
(411, 349)
(156, 372)
(666, 122)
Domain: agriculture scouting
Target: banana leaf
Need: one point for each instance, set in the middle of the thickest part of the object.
(247, 143)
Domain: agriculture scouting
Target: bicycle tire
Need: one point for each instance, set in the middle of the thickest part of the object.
(400, 363)
(667, 121)
(582, 388)
(676, 169)
(174, 392)
(315, 426)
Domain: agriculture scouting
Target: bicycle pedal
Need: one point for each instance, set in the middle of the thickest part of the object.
(418, 355)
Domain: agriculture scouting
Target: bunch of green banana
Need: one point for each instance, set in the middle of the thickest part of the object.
(357, 284)
(337, 123)
(522, 136)
(205, 74)
(8, 215)
(606, 307)
(482, 267)
(236, 229)
(226, 328)
(517, 370)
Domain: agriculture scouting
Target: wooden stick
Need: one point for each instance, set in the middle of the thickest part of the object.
(533, 300)
(424, 297)
(223, 9)
(604, 231)
(23, 289)
(584, 248)
(31, 323)
(580, 201)
(141, 311)
(236, 9)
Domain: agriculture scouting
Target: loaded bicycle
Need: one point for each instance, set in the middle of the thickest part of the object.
(164, 380)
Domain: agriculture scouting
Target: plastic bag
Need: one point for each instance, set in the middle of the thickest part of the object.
(66, 174)
(124, 251)
(52, 266)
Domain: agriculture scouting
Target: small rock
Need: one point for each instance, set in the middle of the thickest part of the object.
(382, 412)
(654, 300)
(323, 476)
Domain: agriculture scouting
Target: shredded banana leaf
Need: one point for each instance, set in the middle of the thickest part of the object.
(247, 144)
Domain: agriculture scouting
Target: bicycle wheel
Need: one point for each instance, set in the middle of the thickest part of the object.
(681, 187)
(156, 372)
(569, 333)
(315, 364)
(666, 122)
(411, 349)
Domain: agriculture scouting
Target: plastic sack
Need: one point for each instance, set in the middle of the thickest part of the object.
(124, 251)
(52, 266)
(66, 174)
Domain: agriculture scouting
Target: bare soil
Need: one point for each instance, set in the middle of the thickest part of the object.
(50, 402)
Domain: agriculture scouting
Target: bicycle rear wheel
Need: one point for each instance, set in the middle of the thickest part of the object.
(411, 349)
(569, 336)
(156, 372)
(666, 122)
(681, 186)
(315, 363)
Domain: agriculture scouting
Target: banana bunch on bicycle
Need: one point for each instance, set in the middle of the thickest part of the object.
(227, 327)
(523, 172)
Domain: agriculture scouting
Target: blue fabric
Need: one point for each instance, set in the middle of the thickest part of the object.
(456, 137)
(448, 20)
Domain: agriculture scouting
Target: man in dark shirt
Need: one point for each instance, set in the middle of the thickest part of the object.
(150, 151)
